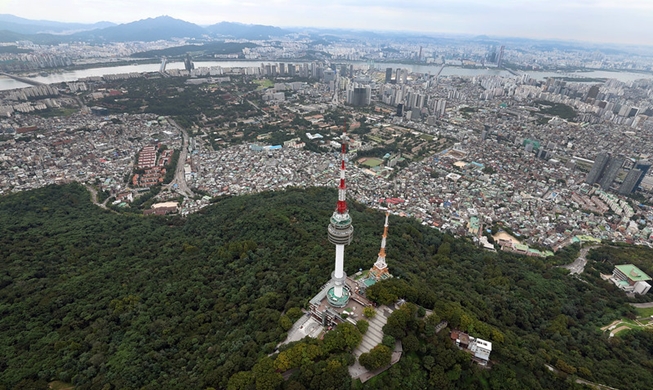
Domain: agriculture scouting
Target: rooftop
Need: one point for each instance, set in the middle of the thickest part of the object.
(634, 273)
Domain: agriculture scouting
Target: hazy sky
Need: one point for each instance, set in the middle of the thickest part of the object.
(622, 21)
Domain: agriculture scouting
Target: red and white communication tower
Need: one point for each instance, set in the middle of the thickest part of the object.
(340, 234)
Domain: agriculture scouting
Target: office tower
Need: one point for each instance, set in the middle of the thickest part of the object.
(593, 92)
(492, 57)
(611, 171)
(188, 63)
(402, 76)
(419, 100)
(329, 75)
(388, 75)
(598, 167)
(643, 166)
(500, 57)
(359, 95)
(629, 184)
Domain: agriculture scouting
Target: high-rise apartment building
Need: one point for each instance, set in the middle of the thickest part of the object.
(629, 184)
(598, 167)
(611, 171)
(643, 166)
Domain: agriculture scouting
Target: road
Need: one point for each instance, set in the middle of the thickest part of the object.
(265, 114)
(180, 176)
(581, 381)
(642, 305)
(578, 266)
(93, 192)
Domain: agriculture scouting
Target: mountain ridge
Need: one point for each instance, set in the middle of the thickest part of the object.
(150, 29)
(30, 26)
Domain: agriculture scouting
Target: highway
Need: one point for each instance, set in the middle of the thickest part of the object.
(180, 176)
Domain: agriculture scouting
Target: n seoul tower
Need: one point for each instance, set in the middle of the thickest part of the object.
(340, 234)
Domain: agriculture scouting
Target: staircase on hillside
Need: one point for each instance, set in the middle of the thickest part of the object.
(374, 334)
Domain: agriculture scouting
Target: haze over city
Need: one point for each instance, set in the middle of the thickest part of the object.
(608, 21)
(337, 195)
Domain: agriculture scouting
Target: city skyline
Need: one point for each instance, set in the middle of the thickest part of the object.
(605, 21)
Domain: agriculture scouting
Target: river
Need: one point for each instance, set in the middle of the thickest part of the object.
(74, 75)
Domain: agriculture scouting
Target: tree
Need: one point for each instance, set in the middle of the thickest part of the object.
(369, 312)
(444, 249)
(378, 357)
(565, 367)
(294, 313)
(388, 341)
(401, 321)
(285, 322)
(410, 343)
(345, 337)
(265, 376)
(362, 326)
(243, 380)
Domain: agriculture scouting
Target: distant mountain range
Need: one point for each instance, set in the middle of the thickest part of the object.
(28, 26)
(151, 29)
(13, 28)
(246, 31)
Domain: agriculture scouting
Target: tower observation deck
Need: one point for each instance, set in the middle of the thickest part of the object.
(340, 234)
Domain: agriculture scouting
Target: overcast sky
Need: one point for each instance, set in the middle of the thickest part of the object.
(619, 21)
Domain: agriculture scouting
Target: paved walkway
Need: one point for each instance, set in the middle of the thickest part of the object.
(372, 338)
(374, 334)
(364, 375)
(578, 266)
(305, 326)
(614, 323)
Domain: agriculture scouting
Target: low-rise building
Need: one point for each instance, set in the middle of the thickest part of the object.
(630, 279)
(479, 348)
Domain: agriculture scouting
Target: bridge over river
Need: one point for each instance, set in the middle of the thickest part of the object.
(22, 79)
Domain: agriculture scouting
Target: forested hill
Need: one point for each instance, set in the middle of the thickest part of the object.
(114, 301)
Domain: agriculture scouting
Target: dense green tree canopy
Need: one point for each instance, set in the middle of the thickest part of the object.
(96, 299)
